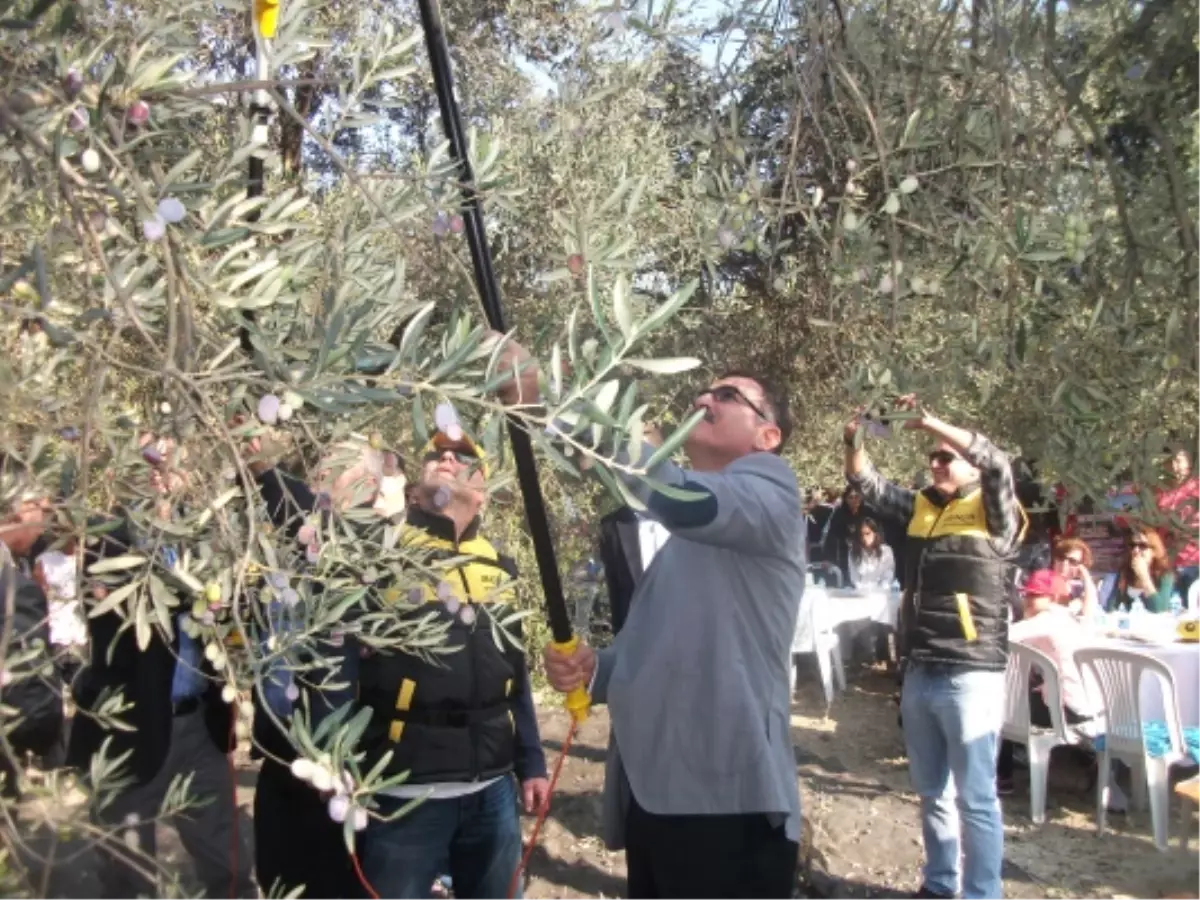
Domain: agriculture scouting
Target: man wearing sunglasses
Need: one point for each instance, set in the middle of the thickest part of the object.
(463, 726)
(700, 788)
(963, 533)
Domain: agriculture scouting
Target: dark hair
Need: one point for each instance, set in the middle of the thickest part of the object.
(857, 547)
(776, 399)
(1066, 545)
(1159, 563)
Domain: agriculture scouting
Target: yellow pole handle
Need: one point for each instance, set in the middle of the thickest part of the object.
(266, 17)
(578, 702)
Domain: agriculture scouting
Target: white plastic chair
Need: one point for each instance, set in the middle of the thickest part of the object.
(814, 635)
(1018, 726)
(1118, 676)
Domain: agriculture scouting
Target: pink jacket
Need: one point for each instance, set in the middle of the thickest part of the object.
(1059, 634)
(1183, 500)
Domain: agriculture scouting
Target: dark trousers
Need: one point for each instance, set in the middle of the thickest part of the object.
(1039, 715)
(475, 839)
(214, 832)
(708, 856)
(296, 842)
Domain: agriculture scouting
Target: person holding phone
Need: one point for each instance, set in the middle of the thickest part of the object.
(963, 534)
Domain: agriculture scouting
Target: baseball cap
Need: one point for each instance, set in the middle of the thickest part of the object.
(460, 440)
(1044, 583)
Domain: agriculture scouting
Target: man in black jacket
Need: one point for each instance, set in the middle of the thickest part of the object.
(296, 841)
(179, 724)
(24, 631)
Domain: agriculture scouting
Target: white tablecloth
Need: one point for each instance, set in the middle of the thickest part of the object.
(1184, 660)
(834, 606)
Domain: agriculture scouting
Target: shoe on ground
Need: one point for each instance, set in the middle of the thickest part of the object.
(927, 894)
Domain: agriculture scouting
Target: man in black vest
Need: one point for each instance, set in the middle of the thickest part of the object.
(963, 531)
(464, 726)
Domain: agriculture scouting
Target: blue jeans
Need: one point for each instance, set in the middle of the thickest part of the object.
(952, 721)
(476, 839)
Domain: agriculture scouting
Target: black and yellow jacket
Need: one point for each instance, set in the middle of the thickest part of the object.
(469, 714)
(957, 581)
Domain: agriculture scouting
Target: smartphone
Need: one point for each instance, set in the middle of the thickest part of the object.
(875, 427)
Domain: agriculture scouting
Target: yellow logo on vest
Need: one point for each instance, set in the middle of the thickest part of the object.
(477, 579)
(962, 516)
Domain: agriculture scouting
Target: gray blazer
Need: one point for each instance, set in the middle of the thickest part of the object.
(697, 680)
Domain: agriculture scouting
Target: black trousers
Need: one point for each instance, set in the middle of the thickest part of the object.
(296, 842)
(708, 856)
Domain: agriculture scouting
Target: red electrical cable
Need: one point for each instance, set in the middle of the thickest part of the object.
(362, 879)
(233, 841)
(541, 816)
(537, 826)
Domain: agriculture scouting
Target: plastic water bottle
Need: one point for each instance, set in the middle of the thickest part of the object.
(1176, 606)
(1137, 613)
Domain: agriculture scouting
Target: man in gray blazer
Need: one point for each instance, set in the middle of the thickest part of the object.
(701, 787)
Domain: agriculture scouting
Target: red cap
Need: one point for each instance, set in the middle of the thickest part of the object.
(1045, 583)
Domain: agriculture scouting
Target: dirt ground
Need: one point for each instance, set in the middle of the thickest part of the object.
(863, 817)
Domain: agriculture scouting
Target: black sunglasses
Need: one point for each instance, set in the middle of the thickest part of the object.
(463, 457)
(942, 458)
(727, 393)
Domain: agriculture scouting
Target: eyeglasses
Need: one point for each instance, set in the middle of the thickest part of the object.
(942, 458)
(727, 393)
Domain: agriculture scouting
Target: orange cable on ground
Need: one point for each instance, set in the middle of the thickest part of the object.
(541, 816)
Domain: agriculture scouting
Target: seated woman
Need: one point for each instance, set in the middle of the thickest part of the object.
(1050, 627)
(872, 564)
(1072, 562)
(1145, 575)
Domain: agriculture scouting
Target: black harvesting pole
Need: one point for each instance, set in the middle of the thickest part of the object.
(260, 118)
(489, 294)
